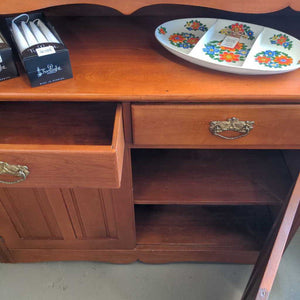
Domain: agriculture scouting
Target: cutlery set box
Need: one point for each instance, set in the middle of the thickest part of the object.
(7, 65)
(44, 62)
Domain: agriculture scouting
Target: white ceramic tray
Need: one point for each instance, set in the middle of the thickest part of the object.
(230, 46)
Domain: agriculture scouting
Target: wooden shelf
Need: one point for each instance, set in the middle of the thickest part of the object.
(118, 59)
(57, 123)
(217, 177)
(238, 228)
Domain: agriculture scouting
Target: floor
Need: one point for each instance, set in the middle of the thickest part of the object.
(180, 281)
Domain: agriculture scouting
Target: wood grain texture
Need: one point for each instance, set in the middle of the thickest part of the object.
(145, 254)
(68, 165)
(77, 218)
(126, 107)
(265, 269)
(218, 228)
(216, 177)
(127, 7)
(276, 126)
(57, 123)
(118, 143)
(168, 254)
(130, 65)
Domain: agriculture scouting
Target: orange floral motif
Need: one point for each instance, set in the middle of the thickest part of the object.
(229, 57)
(281, 40)
(283, 60)
(183, 40)
(224, 54)
(193, 41)
(195, 25)
(238, 30)
(263, 59)
(162, 30)
(237, 27)
(176, 38)
(273, 59)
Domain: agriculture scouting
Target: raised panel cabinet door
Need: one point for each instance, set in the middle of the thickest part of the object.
(75, 218)
(265, 269)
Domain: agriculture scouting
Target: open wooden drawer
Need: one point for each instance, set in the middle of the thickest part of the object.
(51, 144)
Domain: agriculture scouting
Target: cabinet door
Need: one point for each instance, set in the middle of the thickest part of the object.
(77, 218)
(265, 269)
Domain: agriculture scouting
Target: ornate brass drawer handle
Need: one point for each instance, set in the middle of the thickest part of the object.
(232, 124)
(14, 170)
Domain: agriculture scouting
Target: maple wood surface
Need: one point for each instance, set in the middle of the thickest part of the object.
(56, 123)
(266, 267)
(118, 59)
(238, 228)
(210, 177)
(147, 254)
(59, 165)
(275, 126)
(74, 218)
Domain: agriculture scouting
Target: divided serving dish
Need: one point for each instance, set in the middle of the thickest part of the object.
(230, 46)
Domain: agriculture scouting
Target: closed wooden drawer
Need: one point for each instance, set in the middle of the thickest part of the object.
(274, 126)
(62, 144)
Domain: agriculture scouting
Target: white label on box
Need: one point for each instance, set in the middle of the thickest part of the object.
(45, 51)
(1, 41)
(229, 42)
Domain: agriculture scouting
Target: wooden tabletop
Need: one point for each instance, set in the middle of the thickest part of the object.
(118, 59)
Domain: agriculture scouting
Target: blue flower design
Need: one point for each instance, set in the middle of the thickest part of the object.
(273, 65)
(250, 33)
(243, 52)
(186, 35)
(210, 50)
(286, 44)
(270, 53)
(185, 45)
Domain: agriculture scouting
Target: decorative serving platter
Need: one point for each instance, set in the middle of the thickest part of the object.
(230, 46)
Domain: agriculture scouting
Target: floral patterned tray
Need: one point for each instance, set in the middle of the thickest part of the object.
(230, 46)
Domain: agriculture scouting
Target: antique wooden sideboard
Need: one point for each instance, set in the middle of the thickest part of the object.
(121, 163)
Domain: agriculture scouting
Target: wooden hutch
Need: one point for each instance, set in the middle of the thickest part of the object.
(122, 164)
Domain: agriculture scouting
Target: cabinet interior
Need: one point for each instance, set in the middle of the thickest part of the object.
(231, 227)
(237, 192)
(57, 123)
(221, 177)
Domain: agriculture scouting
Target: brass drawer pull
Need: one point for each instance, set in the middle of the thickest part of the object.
(14, 170)
(232, 124)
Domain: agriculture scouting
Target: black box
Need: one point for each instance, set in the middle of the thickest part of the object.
(46, 62)
(7, 65)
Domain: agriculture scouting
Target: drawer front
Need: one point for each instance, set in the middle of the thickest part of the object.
(196, 125)
(64, 165)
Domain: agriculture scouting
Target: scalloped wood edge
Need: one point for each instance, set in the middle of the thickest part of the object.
(128, 7)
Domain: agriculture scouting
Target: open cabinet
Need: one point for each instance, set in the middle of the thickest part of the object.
(120, 164)
(265, 269)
